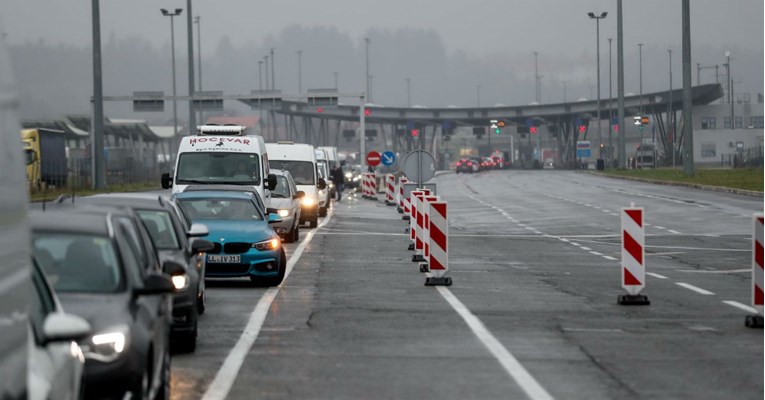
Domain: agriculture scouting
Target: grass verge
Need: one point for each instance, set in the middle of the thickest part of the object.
(49, 195)
(735, 178)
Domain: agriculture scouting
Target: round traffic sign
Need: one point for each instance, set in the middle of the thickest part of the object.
(373, 158)
(419, 166)
(388, 158)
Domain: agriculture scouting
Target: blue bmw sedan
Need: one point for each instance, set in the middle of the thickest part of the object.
(245, 244)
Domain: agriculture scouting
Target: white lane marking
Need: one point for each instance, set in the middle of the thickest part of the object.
(614, 214)
(740, 306)
(533, 389)
(611, 258)
(595, 253)
(659, 227)
(224, 379)
(694, 288)
(614, 330)
(716, 271)
(655, 275)
(529, 228)
(606, 211)
(563, 240)
(674, 231)
(362, 233)
(575, 244)
(586, 248)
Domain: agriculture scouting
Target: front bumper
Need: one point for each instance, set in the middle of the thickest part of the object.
(253, 263)
(111, 380)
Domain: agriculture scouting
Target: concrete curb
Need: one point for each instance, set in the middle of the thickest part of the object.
(741, 192)
(443, 172)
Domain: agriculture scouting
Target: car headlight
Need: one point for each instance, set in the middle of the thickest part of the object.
(284, 213)
(348, 175)
(181, 282)
(309, 201)
(270, 244)
(107, 345)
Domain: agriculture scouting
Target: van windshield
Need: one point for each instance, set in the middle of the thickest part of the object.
(218, 168)
(302, 171)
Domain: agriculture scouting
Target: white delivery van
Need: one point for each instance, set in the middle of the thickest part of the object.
(332, 158)
(222, 155)
(325, 195)
(300, 160)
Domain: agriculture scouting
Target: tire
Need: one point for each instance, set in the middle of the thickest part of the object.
(277, 280)
(296, 234)
(201, 303)
(163, 393)
(323, 212)
(289, 237)
(314, 222)
(188, 342)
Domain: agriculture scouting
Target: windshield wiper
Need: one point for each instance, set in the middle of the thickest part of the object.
(278, 196)
(193, 181)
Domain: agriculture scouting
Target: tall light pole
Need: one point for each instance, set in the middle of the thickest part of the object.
(335, 73)
(687, 106)
(366, 77)
(478, 95)
(730, 90)
(620, 83)
(408, 92)
(640, 68)
(610, 104)
(300, 71)
(371, 87)
(597, 19)
(197, 20)
(260, 75)
(97, 141)
(273, 70)
(172, 15)
(564, 89)
(536, 76)
(190, 50)
(670, 115)
(265, 61)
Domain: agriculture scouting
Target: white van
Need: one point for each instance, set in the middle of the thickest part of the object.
(300, 160)
(325, 195)
(222, 155)
(332, 157)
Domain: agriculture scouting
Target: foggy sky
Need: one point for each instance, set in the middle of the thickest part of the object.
(503, 32)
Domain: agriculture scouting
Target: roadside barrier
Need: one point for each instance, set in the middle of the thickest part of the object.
(371, 186)
(424, 231)
(400, 194)
(438, 238)
(756, 321)
(390, 190)
(633, 257)
(409, 187)
(415, 223)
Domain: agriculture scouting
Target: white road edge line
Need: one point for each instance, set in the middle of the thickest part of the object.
(533, 389)
(655, 275)
(610, 258)
(694, 288)
(226, 375)
(741, 306)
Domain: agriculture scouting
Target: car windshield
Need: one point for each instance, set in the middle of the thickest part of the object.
(232, 168)
(160, 227)
(321, 166)
(78, 262)
(222, 209)
(302, 171)
(282, 189)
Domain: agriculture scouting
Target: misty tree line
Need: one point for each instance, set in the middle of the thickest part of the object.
(57, 80)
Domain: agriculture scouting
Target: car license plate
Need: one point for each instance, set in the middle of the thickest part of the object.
(212, 258)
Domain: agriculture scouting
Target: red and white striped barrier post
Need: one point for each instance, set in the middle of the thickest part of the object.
(633, 257)
(366, 185)
(363, 185)
(419, 242)
(425, 231)
(390, 190)
(438, 239)
(414, 208)
(372, 186)
(409, 187)
(400, 194)
(756, 321)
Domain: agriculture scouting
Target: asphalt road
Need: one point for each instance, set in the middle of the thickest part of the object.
(534, 256)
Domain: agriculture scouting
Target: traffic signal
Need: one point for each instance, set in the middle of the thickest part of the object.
(494, 124)
(415, 132)
(533, 129)
(616, 128)
(582, 128)
(367, 112)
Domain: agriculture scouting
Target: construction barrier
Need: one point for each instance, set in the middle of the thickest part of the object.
(390, 190)
(426, 200)
(415, 222)
(400, 194)
(438, 238)
(756, 321)
(633, 257)
(409, 187)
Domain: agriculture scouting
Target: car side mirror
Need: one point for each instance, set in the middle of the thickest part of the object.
(322, 184)
(167, 181)
(173, 268)
(299, 194)
(155, 284)
(201, 245)
(198, 230)
(63, 327)
(274, 218)
(271, 182)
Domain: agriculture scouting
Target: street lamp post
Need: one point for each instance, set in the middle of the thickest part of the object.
(273, 70)
(366, 77)
(620, 82)
(172, 15)
(640, 69)
(730, 90)
(597, 19)
(408, 92)
(97, 128)
(536, 76)
(265, 62)
(670, 116)
(197, 20)
(610, 103)
(300, 71)
(190, 50)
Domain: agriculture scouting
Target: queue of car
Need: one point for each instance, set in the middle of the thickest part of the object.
(131, 268)
(480, 164)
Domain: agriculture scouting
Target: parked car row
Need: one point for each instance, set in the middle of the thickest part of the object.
(479, 164)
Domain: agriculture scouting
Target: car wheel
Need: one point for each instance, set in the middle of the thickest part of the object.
(289, 237)
(296, 234)
(314, 222)
(201, 303)
(186, 343)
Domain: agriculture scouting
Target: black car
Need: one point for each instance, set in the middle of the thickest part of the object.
(175, 240)
(104, 268)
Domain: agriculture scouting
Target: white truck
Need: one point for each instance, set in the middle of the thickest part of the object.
(222, 155)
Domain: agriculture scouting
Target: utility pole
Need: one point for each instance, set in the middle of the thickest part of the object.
(610, 104)
(408, 92)
(640, 68)
(366, 77)
(597, 19)
(300, 71)
(687, 105)
(536, 76)
(190, 49)
(670, 115)
(620, 83)
(97, 140)
(273, 70)
(197, 20)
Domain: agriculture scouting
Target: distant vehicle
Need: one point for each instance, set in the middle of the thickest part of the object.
(645, 156)
(477, 167)
(56, 361)
(548, 164)
(104, 268)
(174, 241)
(464, 165)
(45, 151)
(333, 162)
(286, 200)
(245, 243)
(15, 268)
(300, 160)
(322, 165)
(220, 154)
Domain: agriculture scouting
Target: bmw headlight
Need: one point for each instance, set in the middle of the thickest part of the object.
(284, 213)
(107, 345)
(309, 201)
(270, 244)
